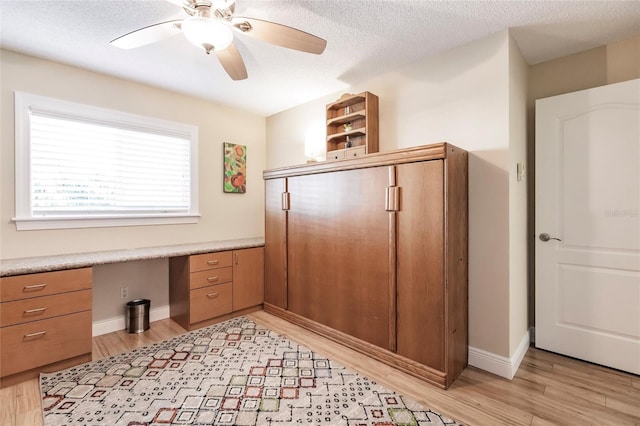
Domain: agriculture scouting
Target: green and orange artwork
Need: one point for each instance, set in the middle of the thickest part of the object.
(235, 168)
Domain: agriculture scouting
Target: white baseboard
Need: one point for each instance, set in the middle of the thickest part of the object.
(496, 364)
(120, 323)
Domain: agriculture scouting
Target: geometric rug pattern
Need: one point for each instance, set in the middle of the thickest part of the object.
(232, 373)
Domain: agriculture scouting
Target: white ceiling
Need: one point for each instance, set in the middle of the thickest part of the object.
(365, 38)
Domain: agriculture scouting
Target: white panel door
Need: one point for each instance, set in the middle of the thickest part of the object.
(588, 203)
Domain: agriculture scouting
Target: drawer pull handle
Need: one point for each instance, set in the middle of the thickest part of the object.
(212, 279)
(33, 311)
(34, 287)
(212, 262)
(39, 333)
(212, 295)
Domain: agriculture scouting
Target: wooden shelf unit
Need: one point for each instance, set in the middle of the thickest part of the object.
(361, 113)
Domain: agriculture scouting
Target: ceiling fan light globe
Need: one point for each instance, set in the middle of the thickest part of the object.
(204, 32)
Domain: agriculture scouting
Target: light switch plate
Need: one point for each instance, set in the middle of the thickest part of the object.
(520, 171)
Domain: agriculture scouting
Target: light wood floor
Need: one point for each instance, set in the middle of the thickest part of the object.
(548, 389)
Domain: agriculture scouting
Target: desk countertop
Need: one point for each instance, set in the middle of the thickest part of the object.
(29, 265)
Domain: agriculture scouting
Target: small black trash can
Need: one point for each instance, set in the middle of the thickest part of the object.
(138, 315)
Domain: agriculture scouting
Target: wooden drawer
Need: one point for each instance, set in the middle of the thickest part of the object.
(43, 284)
(355, 152)
(39, 343)
(335, 155)
(210, 277)
(210, 302)
(39, 308)
(201, 262)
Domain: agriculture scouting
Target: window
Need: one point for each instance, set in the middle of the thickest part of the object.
(79, 166)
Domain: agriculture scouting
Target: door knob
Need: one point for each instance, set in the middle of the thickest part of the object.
(546, 237)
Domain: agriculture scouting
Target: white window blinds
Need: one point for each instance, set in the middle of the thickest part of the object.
(93, 164)
(95, 169)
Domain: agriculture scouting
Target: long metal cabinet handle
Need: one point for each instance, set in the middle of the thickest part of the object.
(392, 199)
(39, 333)
(286, 201)
(33, 311)
(35, 286)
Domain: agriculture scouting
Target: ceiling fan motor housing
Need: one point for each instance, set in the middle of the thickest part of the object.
(221, 8)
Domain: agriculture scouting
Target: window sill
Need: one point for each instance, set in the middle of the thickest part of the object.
(31, 224)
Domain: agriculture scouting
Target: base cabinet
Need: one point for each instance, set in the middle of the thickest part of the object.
(372, 252)
(248, 278)
(205, 288)
(45, 323)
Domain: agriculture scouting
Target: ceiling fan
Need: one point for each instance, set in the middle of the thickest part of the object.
(211, 24)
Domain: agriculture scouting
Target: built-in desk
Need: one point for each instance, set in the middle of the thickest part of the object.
(46, 302)
(30, 265)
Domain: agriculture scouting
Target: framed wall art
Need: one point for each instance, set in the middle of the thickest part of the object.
(235, 168)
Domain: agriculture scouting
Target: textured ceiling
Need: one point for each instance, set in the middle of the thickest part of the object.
(365, 38)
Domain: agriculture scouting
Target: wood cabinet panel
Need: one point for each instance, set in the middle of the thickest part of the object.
(43, 284)
(248, 278)
(39, 308)
(275, 248)
(201, 262)
(179, 288)
(39, 343)
(210, 277)
(338, 251)
(210, 302)
(456, 260)
(420, 271)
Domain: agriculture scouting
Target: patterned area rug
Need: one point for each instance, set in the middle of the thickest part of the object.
(232, 373)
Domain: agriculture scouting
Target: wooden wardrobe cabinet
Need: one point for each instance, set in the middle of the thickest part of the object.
(372, 252)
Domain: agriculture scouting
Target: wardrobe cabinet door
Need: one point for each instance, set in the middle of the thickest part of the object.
(275, 247)
(339, 272)
(421, 293)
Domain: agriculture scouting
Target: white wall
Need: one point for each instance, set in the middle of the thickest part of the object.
(462, 97)
(518, 236)
(223, 216)
(138, 277)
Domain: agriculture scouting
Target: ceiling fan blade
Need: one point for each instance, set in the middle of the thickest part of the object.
(232, 62)
(148, 35)
(280, 35)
